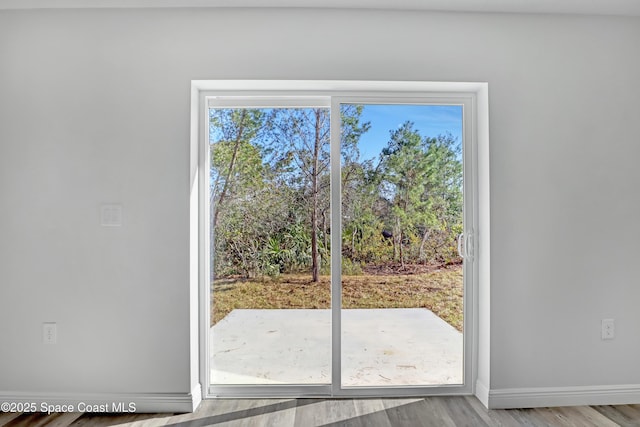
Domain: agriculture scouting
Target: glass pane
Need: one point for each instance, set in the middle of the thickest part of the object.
(402, 210)
(270, 308)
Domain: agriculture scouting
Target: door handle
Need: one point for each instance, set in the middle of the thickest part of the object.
(467, 253)
(469, 244)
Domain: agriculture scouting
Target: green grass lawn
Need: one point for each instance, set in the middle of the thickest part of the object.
(440, 291)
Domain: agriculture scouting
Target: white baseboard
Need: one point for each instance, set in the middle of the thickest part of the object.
(563, 396)
(106, 402)
(482, 393)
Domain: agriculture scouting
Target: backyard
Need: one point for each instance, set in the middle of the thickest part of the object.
(437, 288)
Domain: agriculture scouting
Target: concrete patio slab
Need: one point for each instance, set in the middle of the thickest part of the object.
(380, 347)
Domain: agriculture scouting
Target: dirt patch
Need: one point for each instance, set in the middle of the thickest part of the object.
(408, 269)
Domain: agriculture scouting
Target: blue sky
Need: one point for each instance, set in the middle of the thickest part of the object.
(429, 120)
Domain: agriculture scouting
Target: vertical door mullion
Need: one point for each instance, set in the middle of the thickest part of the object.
(336, 249)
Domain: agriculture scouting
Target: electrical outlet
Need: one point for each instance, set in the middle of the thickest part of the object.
(608, 329)
(49, 333)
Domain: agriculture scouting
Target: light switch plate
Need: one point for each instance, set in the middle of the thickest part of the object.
(608, 329)
(111, 215)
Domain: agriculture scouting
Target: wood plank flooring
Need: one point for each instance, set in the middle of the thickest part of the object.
(430, 411)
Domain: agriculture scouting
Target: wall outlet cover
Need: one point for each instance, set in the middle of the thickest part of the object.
(49, 333)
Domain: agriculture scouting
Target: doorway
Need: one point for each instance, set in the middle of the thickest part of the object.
(341, 244)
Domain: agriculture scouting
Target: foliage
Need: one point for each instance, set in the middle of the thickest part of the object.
(421, 178)
(270, 194)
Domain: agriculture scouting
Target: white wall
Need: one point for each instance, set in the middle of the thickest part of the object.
(94, 108)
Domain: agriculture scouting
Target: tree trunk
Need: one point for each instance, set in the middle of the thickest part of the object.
(232, 163)
(401, 251)
(315, 267)
(397, 242)
(425, 237)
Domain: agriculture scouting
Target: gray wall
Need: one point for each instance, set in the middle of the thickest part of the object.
(94, 108)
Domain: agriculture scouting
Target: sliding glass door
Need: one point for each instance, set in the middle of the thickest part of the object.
(340, 244)
(402, 277)
(269, 192)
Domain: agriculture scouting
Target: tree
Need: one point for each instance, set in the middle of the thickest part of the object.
(303, 136)
(405, 166)
(234, 160)
(421, 178)
(443, 194)
(362, 213)
(356, 193)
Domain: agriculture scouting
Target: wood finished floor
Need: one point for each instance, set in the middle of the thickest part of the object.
(431, 411)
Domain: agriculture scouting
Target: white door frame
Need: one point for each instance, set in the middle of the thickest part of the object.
(472, 96)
